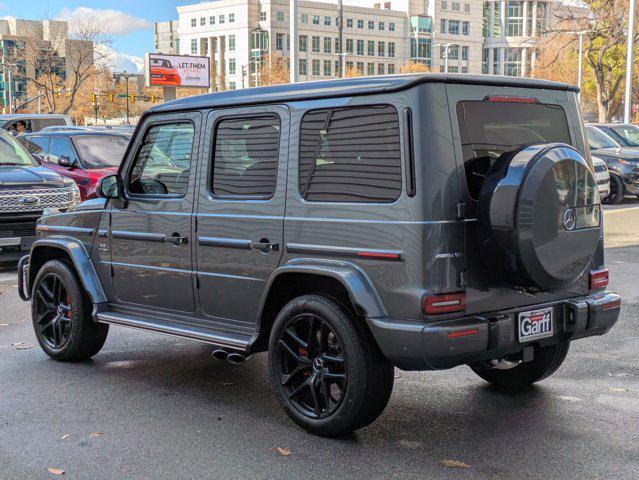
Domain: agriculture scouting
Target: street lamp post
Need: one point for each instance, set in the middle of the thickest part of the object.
(118, 77)
(627, 106)
(580, 35)
(340, 36)
(7, 76)
(446, 51)
(293, 46)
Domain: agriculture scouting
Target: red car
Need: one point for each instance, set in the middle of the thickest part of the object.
(163, 73)
(84, 156)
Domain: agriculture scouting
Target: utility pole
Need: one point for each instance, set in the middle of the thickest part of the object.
(294, 40)
(627, 105)
(340, 36)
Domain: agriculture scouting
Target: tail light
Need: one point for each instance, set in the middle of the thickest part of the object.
(599, 279)
(444, 303)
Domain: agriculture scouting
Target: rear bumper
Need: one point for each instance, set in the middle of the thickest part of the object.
(414, 345)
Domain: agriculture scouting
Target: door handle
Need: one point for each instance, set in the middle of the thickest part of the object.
(176, 239)
(265, 246)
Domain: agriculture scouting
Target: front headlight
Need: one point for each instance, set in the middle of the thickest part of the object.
(74, 198)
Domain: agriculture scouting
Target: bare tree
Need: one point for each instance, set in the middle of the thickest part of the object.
(58, 67)
(604, 47)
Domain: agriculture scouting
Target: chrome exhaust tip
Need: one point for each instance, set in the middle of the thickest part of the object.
(220, 354)
(235, 358)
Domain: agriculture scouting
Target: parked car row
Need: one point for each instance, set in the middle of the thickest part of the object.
(618, 146)
(47, 162)
(85, 156)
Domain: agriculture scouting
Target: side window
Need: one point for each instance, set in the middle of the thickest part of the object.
(245, 156)
(350, 155)
(37, 146)
(61, 146)
(163, 161)
(41, 123)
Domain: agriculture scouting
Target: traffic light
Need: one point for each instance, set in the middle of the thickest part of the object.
(111, 97)
(152, 99)
(132, 97)
(93, 97)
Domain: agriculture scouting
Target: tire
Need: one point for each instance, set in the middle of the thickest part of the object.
(357, 377)
(518, 238)
(545, 362)
(61, 314)
(616, 191)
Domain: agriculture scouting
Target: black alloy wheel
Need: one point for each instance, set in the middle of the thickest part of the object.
(61, 314)
(312, 366)
(54, 311)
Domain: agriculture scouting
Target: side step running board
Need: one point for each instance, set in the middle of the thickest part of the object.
(227, 340)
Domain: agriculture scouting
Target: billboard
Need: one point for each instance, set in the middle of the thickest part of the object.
(177, 71)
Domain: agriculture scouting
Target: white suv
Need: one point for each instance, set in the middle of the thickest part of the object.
(602, 176)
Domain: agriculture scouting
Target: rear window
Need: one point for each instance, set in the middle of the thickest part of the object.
(488, 129)
(350, 155)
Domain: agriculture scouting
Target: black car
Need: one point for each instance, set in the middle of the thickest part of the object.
(625, 134)
(26, 189)
(622, 162)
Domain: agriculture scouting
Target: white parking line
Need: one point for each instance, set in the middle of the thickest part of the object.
(620, 210)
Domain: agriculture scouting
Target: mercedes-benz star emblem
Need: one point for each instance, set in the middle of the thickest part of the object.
(318, 364)
(570, 219)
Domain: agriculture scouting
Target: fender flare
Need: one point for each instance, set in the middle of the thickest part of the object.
(80, 259)
(358, 285)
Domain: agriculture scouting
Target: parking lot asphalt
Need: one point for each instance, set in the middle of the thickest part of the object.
(154, 407)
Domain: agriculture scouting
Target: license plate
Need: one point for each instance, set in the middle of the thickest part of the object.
(535, 324)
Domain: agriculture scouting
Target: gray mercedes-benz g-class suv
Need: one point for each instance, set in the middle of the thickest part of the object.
(347, 227)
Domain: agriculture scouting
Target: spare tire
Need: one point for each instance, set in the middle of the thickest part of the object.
(539, 217)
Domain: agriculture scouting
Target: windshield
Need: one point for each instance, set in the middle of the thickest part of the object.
(12, 153)
(598, 140)
(630, 134)
(101, 151)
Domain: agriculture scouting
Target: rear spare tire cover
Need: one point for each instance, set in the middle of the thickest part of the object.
(539, 216)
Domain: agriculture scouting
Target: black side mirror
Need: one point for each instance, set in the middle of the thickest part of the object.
(110, 187)
(64, 161)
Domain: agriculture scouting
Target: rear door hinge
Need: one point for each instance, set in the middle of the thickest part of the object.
(461, 210)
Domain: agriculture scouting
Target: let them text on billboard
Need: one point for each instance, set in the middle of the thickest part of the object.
(177, 71)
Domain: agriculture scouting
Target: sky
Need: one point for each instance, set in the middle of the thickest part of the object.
(130, 22)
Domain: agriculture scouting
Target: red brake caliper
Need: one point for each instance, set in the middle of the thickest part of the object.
(304, 353)
(68, 315)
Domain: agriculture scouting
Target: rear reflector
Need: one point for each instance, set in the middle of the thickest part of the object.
(599, 279)
(463, 333)
(444, 303)
(511, 99)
